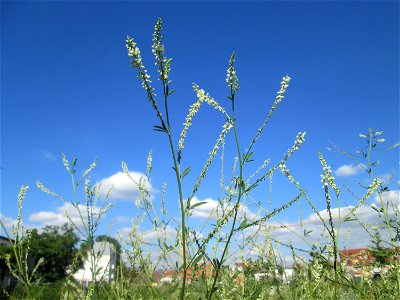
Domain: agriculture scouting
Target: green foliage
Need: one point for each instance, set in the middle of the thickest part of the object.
(19, 261)
(58, 246)
(382, 255)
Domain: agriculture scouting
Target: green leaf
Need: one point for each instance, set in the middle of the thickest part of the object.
(197, 204)
(171, 92)
(243, 225)
(374, 208)
(197, 259)
(215, 262)
(243, 185)
(247, 157)
(159, 128)
(188, 169)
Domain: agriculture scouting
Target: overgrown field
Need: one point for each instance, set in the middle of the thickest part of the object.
(233, 254)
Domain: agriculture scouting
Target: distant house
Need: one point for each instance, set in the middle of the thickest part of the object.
(286, 274)
(192, 274)
(360, 262)
(4, 241)
(105, 265)
(362, 257)
(357, 258)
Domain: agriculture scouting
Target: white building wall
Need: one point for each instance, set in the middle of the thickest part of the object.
(105, 265)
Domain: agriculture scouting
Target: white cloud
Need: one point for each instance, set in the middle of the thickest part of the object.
(349, 170)
(123, 187)
(7, 221)
(390, 197)
(386, 178)
(59, 216)
(150, 236)
(205, 210)
(121, 219)
(212, 209)
(10, 223)
(351, 235)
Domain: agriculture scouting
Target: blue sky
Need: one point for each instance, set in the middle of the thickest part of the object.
(67, 87)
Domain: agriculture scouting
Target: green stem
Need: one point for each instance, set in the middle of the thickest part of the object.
(179, 182)
(236, 207)
(183, 216)
(385, 213)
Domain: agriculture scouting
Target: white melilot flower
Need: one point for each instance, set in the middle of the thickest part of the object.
(193, 110)
(381, 140)
(149, 163)
(284, 85)
(134, 53)
(138, 203)
(362, 136)
(231, 78)
(158, 49)
(326, 177)
(300, 138)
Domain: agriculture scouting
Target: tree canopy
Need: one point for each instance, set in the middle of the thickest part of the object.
(57, 245)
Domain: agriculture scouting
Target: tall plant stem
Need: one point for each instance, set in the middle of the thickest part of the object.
(179, 182)
(236, 207)
(183, 215)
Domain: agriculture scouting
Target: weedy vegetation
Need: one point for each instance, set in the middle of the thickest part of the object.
(199, 259)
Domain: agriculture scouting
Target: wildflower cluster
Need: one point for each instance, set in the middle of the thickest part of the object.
(284, 85)
(225, 129)
(371, 189)
(206, 97)
(220, 222)
(149, 164)
(260, 168)
(193, 110)
(276, 211)
(41, 187)
(164, 64)
(285, 171)
(65, 162)
(328, 180)
(19, 263)
(278, 99)
(231, 78)
(136, 62)
(378, 133)
(21, 197)
(326, 177)
(300, 138)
